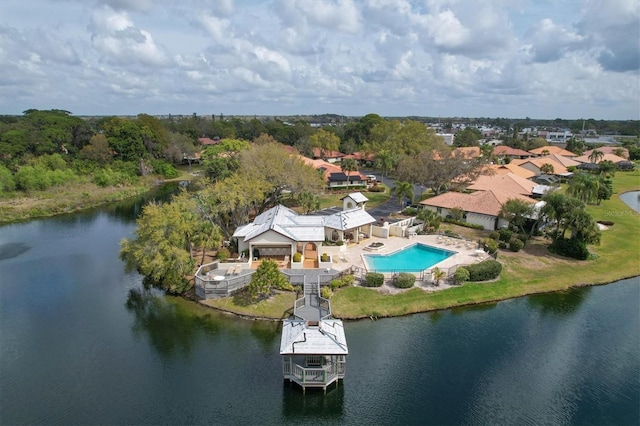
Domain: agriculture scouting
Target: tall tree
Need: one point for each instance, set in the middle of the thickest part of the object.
(161, 249)
(596, 156)
(326, 141)
(584, 186)
(348, 165)
(516, 212)
(403, 190)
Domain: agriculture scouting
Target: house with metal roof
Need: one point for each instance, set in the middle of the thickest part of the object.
(281, 232)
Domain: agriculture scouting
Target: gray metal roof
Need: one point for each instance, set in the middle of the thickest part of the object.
(297, 227)
(357, 197)
(348, 219)
(325, 339)
(286, 222)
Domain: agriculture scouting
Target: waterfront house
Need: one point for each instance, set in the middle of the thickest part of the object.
(281, 232)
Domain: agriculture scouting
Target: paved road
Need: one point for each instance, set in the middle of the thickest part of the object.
(392, 205)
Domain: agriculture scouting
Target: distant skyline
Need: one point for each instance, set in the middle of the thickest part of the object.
(451, 58)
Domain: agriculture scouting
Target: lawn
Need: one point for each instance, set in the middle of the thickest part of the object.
(534, 270)
(331, 199)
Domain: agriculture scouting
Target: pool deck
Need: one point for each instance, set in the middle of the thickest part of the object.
(465, 251)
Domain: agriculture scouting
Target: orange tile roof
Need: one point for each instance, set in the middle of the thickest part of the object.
(552, 149)
(538, 162)
(503, 169)
(317, 152)
(509, 183)
(606, 157)
(483, 202)
(467, 151)
(610, 150)
(507, 150)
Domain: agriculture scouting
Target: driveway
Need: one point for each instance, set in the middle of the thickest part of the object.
(392, 205)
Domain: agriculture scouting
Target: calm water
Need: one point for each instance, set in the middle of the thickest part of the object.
(415, 258)
(82, 343)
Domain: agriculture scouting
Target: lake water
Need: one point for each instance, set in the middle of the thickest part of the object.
(81, 342)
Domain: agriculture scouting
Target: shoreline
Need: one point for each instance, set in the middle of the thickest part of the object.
(372, 317)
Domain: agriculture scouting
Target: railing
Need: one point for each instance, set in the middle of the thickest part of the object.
(207, 288)
(312, 375)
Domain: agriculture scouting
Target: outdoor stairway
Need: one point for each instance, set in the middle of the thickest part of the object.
(311, 307)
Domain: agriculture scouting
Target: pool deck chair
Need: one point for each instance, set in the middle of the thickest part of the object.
(230, 271)
(237, 269)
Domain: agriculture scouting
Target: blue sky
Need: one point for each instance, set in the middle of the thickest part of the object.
(471, 58)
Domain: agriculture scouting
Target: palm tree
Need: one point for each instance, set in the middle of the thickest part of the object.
(595, 156)
(402, 190)
(348, 165)
(516, 212)
(547, 169)
(385, 160)
(438, 275)
(584, 187)
(430, 218)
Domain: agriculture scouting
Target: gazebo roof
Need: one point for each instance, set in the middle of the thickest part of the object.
(325, 338)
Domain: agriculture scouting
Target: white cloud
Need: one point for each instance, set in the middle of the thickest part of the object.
(393, 57)
(115, 36)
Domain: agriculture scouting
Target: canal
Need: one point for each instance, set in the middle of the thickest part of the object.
(82, 342)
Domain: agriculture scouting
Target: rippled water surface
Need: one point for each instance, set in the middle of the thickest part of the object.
(82, 343)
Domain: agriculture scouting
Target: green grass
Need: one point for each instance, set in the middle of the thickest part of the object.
(534, 270)
(331, 199)
(276, 307)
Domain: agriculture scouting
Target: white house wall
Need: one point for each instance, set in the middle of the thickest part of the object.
(488, 222)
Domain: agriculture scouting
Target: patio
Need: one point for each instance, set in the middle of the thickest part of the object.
(466, 251)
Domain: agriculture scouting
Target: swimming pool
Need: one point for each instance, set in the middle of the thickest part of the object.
(414, 258)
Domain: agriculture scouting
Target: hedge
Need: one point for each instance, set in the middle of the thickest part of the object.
(484, 271)
(462, 223)
(461, 275)
(404, 280)
(570, 247)
(373, 279)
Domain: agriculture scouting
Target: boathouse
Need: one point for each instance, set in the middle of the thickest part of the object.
(313, 345)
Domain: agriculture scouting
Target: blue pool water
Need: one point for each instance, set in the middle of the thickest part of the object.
(415, 258)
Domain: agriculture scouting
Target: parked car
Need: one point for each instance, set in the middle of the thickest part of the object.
(372, 178)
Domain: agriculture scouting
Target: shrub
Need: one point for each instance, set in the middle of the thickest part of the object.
(373, 279)
(324, 257)
(165, 169)
(343, 282)
(570, 247)
(404, 280)
(410, 211)
(505, 234)
(348, 280)
(377, 188)
(495, 235)
(6, 179)
(502, 244)
(297, 257)
(326, 292)
(483, 271)
(461, 275)
(108, 177)
(339, 243)
(524, 238)
(490, 245)
(462, 223)
(223, 253)
(515, 244)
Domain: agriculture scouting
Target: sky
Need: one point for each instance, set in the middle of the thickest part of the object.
(439, 58)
